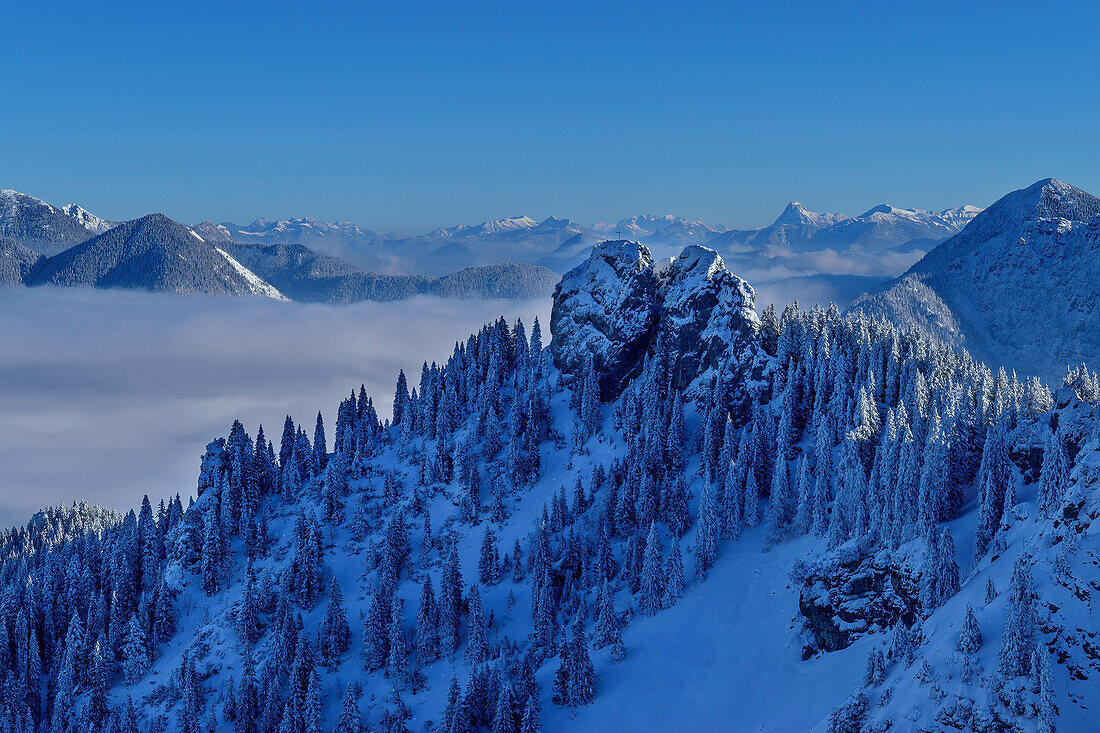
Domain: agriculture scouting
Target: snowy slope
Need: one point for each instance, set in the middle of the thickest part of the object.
(1019, 286)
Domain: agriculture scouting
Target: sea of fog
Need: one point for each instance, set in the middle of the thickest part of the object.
(105, 396)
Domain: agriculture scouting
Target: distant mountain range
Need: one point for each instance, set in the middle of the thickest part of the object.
(1019, 286)
(70, 247)
(882, 228)
(339, 262)
(892, 237)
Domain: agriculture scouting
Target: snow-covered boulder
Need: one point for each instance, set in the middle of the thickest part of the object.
(615, 305)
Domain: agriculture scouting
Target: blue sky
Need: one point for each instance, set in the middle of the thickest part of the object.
(404, 116)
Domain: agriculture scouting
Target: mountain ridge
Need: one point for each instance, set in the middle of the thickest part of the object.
(989, 287)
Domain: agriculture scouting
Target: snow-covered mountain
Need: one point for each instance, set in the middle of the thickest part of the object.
(1019, 286)
(557, 243)
(224, 258)
(817, 258)
(16, 261)
(553, 242)
(151, 253)
(880, 229)
(295, 231)
(660, 231)
(494, 228)
(680, 515)
(46, 229)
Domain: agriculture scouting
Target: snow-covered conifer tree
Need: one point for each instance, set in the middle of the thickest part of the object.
(1054, 475)
(653, 577)
(1020, 622)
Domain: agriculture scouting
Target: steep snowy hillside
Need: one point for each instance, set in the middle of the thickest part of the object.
(704, 519)
(16, 261)
(1019, 286)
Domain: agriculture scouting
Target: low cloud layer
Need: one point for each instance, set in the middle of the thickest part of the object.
(105, 396)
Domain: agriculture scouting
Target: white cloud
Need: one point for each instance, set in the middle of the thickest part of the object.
(105, 396)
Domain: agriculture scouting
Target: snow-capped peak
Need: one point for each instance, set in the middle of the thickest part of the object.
(87, 219)
(798, 215)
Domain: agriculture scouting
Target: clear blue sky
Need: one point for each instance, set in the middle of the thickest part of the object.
(403, 116)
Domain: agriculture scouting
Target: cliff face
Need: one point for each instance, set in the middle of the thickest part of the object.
(617, 305)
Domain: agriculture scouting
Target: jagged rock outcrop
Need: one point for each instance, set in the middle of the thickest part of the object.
(708, 316)
(843, 601)
(606, 309)
(615, 306)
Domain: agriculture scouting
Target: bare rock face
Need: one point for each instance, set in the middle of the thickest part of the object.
(615, 305)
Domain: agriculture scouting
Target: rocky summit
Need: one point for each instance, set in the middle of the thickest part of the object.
(620, 306)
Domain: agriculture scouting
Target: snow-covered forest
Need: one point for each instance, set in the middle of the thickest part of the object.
(678, 512)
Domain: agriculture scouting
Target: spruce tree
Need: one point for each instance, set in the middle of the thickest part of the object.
(803, 517)
(135, 652)
(427, 624)
(581, 675)
(781, 506)
(335, 634)
(1054, 476)
(674, 577)
(531, 720)
(504, 720)
(350, 720)
(397, 662)
(99, 677)
(653, 579)
(970, 638)
(607, 621)
(320, 448)
(706, 536)
(677, 515)
(477, 645)
(1020, 624)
